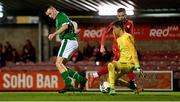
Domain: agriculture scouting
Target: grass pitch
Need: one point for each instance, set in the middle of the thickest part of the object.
(89, 96)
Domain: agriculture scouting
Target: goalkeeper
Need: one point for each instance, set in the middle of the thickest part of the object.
(128, 60)
(128, 26)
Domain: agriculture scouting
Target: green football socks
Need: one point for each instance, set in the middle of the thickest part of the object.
(74, 74)
(67, 79)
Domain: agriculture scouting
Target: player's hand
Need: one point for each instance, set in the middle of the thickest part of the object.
(51, 36)
(137, 67)
(102, 49)
(76, 31)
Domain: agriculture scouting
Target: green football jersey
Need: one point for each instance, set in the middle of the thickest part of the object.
(62, 19)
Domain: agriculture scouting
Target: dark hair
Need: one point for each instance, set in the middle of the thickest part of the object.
(121, 10)
(119, 23)
(46, 7)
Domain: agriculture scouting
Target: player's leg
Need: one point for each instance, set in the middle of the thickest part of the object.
(125, 69)
(119, 81)
(132, 84)
(101, 71)
(111, 77)
(131, 80)
(61, 66)
(71, 46)
(131, 77)
(125, 83)
(75, 75)
(64, 73)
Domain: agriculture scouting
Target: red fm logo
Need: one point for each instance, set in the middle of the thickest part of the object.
(93, 33)
(162, 32)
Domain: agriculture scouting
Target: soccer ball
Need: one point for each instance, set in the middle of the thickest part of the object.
(104, 87)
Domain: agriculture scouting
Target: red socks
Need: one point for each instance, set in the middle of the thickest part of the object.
(131, 75)
(103, 70)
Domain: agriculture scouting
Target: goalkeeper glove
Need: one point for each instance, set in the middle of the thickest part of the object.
(136, 67)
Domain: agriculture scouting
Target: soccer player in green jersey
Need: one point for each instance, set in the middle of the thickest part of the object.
(65, 30)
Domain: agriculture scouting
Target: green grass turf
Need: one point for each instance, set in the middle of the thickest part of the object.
(89, 96)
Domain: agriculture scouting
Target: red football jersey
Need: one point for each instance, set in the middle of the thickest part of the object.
(129, 26)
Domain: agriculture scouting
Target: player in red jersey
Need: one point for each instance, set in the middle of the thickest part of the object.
(128, 24)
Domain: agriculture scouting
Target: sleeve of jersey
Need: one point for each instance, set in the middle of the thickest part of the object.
(105, 32)
(133, 52)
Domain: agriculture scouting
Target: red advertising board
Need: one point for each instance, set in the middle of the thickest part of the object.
(141, 32)
(32, 81)
(52, 81)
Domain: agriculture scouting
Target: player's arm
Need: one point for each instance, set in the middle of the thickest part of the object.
(103, 38)
(133, 52)
(75, 25)
(60, 30)
(132, 27)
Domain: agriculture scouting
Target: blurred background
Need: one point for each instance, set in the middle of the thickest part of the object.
(24, 29)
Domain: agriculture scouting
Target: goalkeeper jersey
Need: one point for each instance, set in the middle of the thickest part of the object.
(128, 24)
(128, 53)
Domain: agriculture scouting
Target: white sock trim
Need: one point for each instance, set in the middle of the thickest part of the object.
(74, 74)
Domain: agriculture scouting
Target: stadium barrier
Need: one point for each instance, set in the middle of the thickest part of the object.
(52, 81)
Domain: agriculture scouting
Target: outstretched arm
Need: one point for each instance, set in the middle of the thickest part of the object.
(75, 25)
(103, 38)
(132, 28)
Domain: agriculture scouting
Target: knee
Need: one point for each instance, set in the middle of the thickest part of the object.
(110, 66)
(58, 63)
